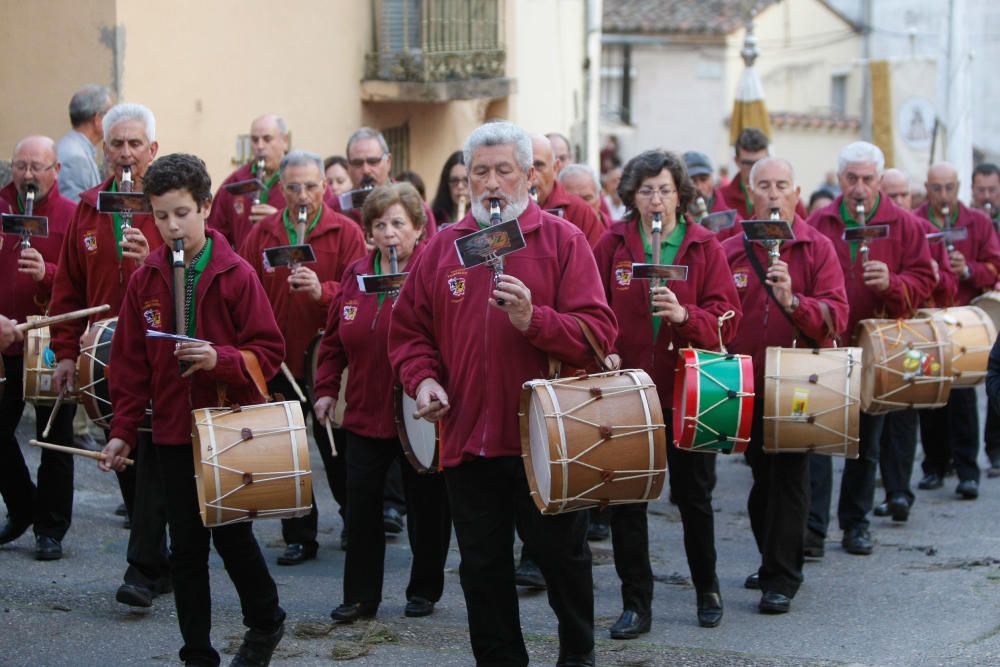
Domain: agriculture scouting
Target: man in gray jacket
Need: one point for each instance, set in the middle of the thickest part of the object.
(77, 150)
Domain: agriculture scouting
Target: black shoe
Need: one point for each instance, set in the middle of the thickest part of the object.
(882, 509)
(993, 470)
(348, 613)
(343, 540)
(163, 585)
(814, 545)
(598, 532)
(752, 582)
(630, 625)
(968, 489)
(127, 523)
(13, 530)
(121, 510)
(529, 575)
(899, 508)
(47, 548)
(392, 521)
(774, 603)
(574, 660)
(296, 554)
(135, 595)
(417, 607)
(257, 648)
(709, 610)
(858, 541)
(931, 481)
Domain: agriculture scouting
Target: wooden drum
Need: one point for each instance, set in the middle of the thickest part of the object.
(812, 400)
(251, 462)
(907, 364)
(713, 401)
(972, 333)
(989, 302)
(418, 437)
(312, 364)
(593, 440)
(40, 368)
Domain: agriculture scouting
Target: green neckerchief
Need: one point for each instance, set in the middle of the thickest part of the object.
(293, 236)
(198, 268)
(746, 196)
(378, 272)
(851, 223)
(668, 252)
(930, 214)
(267, 185)
(119, 225)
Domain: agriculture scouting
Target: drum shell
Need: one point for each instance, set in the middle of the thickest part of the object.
(972, 333)
(311, 366)
(826, 384)
(883, 387)
(423, 467)
(990, 303)
(695, 368)
(93, 374)
(640, 452)
(240, 478)
(39, 368)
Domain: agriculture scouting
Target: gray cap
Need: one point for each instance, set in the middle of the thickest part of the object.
(698, 164)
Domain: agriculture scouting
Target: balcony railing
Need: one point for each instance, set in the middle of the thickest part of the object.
(427, 41)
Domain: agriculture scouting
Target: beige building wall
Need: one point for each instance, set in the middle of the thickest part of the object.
(49, 49)
(812, 153)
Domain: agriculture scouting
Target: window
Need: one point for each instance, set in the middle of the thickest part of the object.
(838, 94)
(398, 139)
(617, 78)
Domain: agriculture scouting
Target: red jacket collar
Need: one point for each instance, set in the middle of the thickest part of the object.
(90, 196)
(223, 257)
(628, 230)
(9, 194)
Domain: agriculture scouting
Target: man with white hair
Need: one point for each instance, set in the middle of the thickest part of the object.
(799, 298)
(951, 433)
(465, 367)
(580, 180)
(897, 276)
(77, 148)
(99, 256)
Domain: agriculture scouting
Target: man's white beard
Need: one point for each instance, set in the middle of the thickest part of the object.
(509, 212)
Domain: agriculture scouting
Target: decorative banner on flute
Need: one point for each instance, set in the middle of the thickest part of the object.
(386, 283)
(716, 222)
(288, 255)
(123, 202)
(948, 235)
(866, 233)
(244, 187)
(659, 271)
(25, 225)
(490, 244)
(768, 230)
(354, 199)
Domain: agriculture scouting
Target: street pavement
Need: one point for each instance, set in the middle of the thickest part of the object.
(929, 595)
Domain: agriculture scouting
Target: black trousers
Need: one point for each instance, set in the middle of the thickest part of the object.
(820, 493)
(428, 522)
(49, 505)
(485, 496)
(148, 558)
(692, 480)
(857, 486)
(898, 449)
(951, 434)
(189, 561)
(778, 505)
(630, 542)
(303, 530)
(991, 435)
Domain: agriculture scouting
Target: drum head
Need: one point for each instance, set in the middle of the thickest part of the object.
(539, 438)
(421, 433)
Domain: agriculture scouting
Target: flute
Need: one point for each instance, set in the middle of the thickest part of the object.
(946, 225)
(533, 191)
(29, 209)
(461, 209)
(300, 225)
(126, 186)
(859, 211)
(774, 246)
(393, 261)
(180, 325)
(497, 264)
(702, 208)
(259, 195)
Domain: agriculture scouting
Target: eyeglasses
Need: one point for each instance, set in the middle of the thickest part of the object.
(296, 188)
(938, 188)
(648, 193)
(457, 180)
(359, 162)
(22, 167)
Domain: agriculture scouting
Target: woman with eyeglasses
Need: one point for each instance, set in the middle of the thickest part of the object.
(654, 323)
(453, 186)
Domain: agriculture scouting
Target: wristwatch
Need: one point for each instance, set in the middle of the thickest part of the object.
(794, 305)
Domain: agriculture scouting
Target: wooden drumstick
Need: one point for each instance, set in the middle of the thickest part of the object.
(434, 405)
(329, 434)
(52, 416)
(55, 319)
(291, 380)
(98, 456)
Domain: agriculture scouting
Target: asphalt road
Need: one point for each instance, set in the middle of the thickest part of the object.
(929, 595)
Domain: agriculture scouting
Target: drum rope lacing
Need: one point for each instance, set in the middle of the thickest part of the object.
(923, 343)
(738, 394)
(802, 419)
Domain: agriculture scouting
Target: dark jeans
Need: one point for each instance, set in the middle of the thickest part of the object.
(428, 522)
(630, 542)
(303, 530)
(692, 480)
(485, 496)
(857, 486)
(49, 506)
(189, 562)
(778, 505)
(991, 435)
(820, 493)
(898, 448)
(951, 434)
(148, 558)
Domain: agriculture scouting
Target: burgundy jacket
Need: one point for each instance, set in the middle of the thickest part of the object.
(981, 250)
(575, 210)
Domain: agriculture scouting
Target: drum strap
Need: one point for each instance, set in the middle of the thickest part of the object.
(256, 375)
(605, 362)
(759, 270)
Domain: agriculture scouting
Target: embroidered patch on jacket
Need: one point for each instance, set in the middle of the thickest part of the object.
(456, 283)
(350, 311)
(151, 314)
(740, 279)
(238, 206)
(623, 274)
(90, 241)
